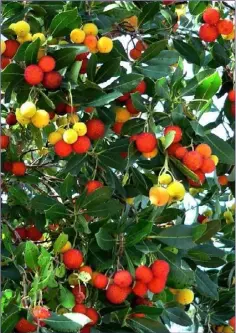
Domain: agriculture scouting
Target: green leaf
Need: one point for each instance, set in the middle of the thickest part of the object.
(198, 231)
(148, 310)
(31, 255)
(11, 9)
(74, 72)
(56, 212)
(92, 67)
(168, 215)
(169, 138)
(42, 202)
(138, 103)
(111, 208)
(103, 100)
(20, 54)
(119, 51)
(113, 160)
(64, 22)
(212, 228)
(62, 324)
(31, 53)
(182, 168)
(141, 181)
(143, 325)
(138, 232)
(104, 239)
(197, 7)
(60, 242)
(133, 126)
(106, 115)
(107, 70)
(154, 72)
(126, 83)
(66, 298)
(66, 188)
(9, 322)
(66, 56)
(47, 100)
(148, 12)
(179, 236)
(220, 148)
(152, 51)
(74, 164)
(97, 197)
(162, 88)
(205, 285)
(12, 72)
(220, 55)
(165, 58)
(187, 51)
(178, 316)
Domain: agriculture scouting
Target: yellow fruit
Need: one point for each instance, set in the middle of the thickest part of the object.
(54, 137)
(228, 214)
(63, 42)
(28, 109)
(21, 120)
(215, 159)
(61, 130)
(152, 154)
(129, 201)
(173, 291)
(22, 28)
(105, 45)
(230, 36)
(62, 121)
(93, 50)
(80, 128)
(73, 118)
(122, 115)
(77, 36)
(44, 151)
(180, 10)
(165, 179)
(208, 213)
(41, 53)
(232, 207)
(3, 46)
(27, 38)
(70, 136)
(12, 27)
(185, 296)
(158, 196)
(193, 191)
(131, 23)
(90, 29)
(228, 329)
(40, 36)
(40, 119)
(176, 191)
(66, 247)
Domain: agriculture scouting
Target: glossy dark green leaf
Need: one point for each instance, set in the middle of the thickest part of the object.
(66, 56)
(220, 55)
(148, 12)
(197, 7)
(31, 255)
(212, 228)
(143, 325)
(133, 126)
(97, 197)
(74, 165)
(92, 67)
(187, 51)
(205, 285)
(107, 70)
(138, 232)
(12, 72)
(64, 22)
(42, 202)
(56, 212)
(127, 82)
(66, 188)
(220, 148)
(152, 51)
(104, 239)
(31, 53)
(178, 316)
(179, 236)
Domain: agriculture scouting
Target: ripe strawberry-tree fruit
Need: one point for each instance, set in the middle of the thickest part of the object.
(141, 88)
(90, 41)
(160, 268)
(86, 269)
(100, 281)
(211, 16)
(208, 33)
(225, 27)
(21, 231)
(123, 279)
(82, 56)
(140, 289)
(124, 97)
(81, 145)
(33, 75)
(52, 80)
(63, 149)
(95, 129)
(18, 168)
(122, 115)
(40, 312)
(116, 294)
(24, 326)
(201, 178)
(146, 142)
(130, 107)
(11, 48)
(231, 95)
(72, 259)
(47, 63)
(143, 274)
(208, 165)
(93, 185)
(117, 128)
(177, 130)
(141, 46)
(33, 233)
(4, 141)
(79, 308)
(93, 315)
(84, 65)
(151, 154)
(135, 54)
(223, 180)
(5, 62)
(157, 285)
(204, 150)
(193, 160)
(180, 152)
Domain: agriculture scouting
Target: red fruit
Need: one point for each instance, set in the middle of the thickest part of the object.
(93, 315)
(138, 315)
(123, 279)
(160, 268)
(193, 160)
(141, 46)
(33, 233)
(63, 149)
(201, 218)
(232, 322)
(208, 33)
(70, 109)
(61, 108)
(130, 107)
(123, 154)
(208, 165)
(52, 80)
(82, 56)
(232, 110)
(204, 150)
(144, 274)
(115, 294)
(100, 281)
(225, 27)
(86, 329)
(141, 88)
(180, 152)
(86, 269)
(21, 232)
(201, 178)
(11, 119)
(117, 127)
(24, 326)
(89, 109)
(51, 115)
(82, 145)
(133, 138)
(172, 148)
(95, 129)
(177, 130)
(47, 63)
(211, 16)
(135, 54)
(231, 95)
(40, 312)
(7, 166)
(33, 75)
(73, 259)
(146, 142)
(18, 168)
(124, 97)
(143, 301)
(11, 48)
(4, 141)
(84, 65)
(4, 62)
(168, 2)
(79, 308)
(92, 185)
(140, 289)
(128, 290)
(78, 289)
(157, 285)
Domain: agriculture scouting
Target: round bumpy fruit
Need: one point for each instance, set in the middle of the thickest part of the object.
(73, 259)
(160, 269)
(40, 312)
(77, 36)
(40, 36)
(70, 136)
(21, 231)
(80, 128)
(95, 129)
(93, 315)
(152, 154)
(70, 108)
(141, 46)
(172, 148)
(185, 296)
(27, 38)
(135, 54)
(5, 62)
(141, 88)
(204, 150)
(158, 196)
(177, 130)
(105, 45)
(211, 16)
(40, 119)
(117, 128)
(47, 63)
(193, 160)
(82, 56)
(33, 233)
(100, 281)
(115, 294)
(21, 28)
(24, 326)
(164, 179)
(231, 95)
(28, 109)
(208, 165)
(11, 48)
(86, 269)
(33, 75)
(81, 145)
(208, 33)
(54, 137)
(124, 97)
(91, 42)
(146, 142)
(21, 120)
(140, 289)
(225, 27)
(18, 168)
(176, 191)
(228, 329)
(52, 80)
(130, 107)
(123, 279)
(157, 285)
(79, 308)
(232, 322)
(223, 180)
(122, 115)
(93, 185)
(62, 149)
(144, 274)
(180, 152)
(90, 29)
(4, 141)
(201, 178)
(66, 247)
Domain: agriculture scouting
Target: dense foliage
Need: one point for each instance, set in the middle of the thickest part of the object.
(117, 197)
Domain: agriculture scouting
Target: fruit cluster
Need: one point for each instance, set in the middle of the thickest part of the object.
(31, 233)
(215, 26)
(136, 52)
(223, 329)
(88, 36)
(17, 168)
(231, 98)
(8, 51)
(28, 113)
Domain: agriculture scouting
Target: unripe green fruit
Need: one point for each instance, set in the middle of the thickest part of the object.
(172, 249)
